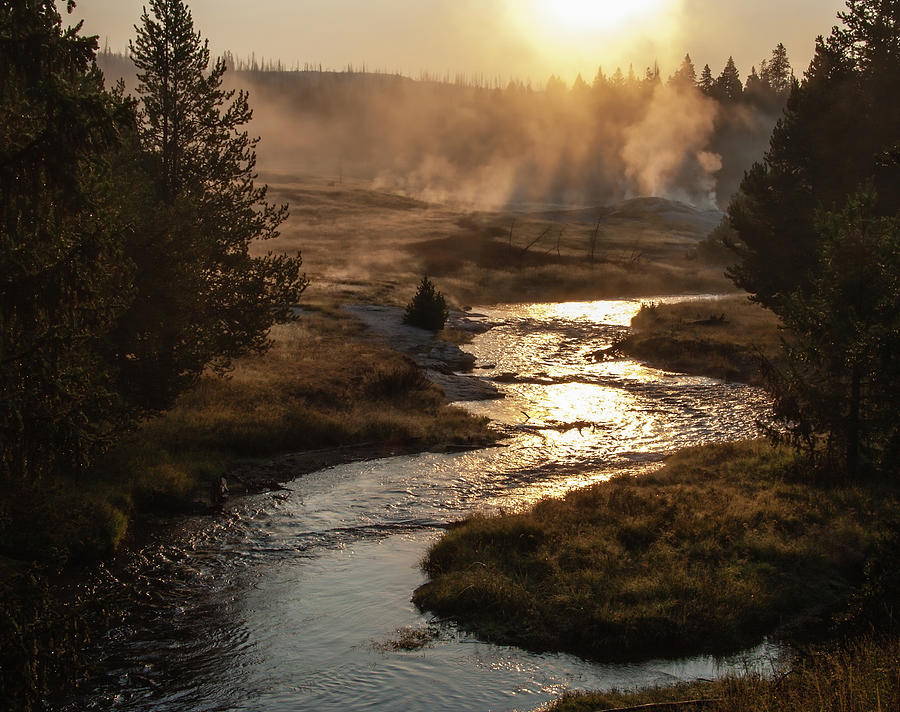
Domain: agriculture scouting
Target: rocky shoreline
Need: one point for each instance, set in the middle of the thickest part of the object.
(444, 364)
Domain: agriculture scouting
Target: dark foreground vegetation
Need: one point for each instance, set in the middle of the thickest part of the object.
(319, 387)
(122, 310)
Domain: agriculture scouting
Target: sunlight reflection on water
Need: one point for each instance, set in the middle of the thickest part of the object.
(279, 607)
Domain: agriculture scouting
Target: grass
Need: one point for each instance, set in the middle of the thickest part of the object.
(724, 338)
(318, 387)
(860, 676)
(722, 546)
(363, 245)
(408, 639)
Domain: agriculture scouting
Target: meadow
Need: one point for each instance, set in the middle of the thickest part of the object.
(360, 244)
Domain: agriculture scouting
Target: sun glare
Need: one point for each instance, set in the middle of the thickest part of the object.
(568, 37)
(582, 16)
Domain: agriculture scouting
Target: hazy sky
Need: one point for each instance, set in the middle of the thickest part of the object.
(528, 39)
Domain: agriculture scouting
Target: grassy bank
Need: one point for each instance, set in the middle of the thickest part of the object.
(319, 387)
(722, 546)
(860, 676)
(723, 338)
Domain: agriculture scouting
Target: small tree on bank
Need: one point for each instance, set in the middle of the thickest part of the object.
(428, 308)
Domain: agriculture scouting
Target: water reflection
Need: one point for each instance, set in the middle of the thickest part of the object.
(281, 606)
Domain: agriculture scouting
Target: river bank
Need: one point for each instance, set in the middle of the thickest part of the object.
(722, 546)
(725, 337)
(326, 393)
(310, 585)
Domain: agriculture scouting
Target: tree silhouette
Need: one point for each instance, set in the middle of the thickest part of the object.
(686, 74)
(728, 86)
(428, 308)
(841, 380)
(706, 82)
(63, 277)
(202, 298)
(776, 72)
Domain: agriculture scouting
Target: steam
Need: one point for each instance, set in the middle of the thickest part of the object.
(492, 148)
(666, 153)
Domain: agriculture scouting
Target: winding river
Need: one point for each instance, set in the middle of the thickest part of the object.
(296, 599)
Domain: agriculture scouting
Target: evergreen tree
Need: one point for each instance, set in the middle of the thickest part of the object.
(706, 83)
(728, 86)
(838, 394)
(202, 298)
(838, 126)
(870, 36)
(428, 308)
(579, 86)
(753, 80)
(64, 279)
(555, 86)
(833, 280)
(686, 74)
(776, 73)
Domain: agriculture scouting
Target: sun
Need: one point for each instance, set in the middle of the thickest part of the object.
(593, 16)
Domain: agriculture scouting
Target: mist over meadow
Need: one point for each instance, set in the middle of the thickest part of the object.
(474, 143)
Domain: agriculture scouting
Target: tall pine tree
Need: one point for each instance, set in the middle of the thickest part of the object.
(728, 86)
(203, 299)
(64, 279)
(836, 134)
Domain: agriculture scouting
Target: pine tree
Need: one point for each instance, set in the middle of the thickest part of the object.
(837, 128)
(63, 277)
(776, 72)
(834, 279)
(686, 74)
(841, 380)
(428, 308)
(728, 86)
(579, 86)
(870, 36)
(706, 83)
(202, 298)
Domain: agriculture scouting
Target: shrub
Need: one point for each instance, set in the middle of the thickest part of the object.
(428, 309)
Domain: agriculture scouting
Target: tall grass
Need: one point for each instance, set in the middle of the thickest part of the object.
(723, 546)
(724, 338)
(860, 676)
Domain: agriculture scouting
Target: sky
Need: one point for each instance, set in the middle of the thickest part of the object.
(505, 39)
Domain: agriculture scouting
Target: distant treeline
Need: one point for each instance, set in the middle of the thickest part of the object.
(465, 138)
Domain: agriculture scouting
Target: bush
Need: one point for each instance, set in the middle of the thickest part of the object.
(428, 309)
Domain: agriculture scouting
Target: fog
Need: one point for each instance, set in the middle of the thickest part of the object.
(467, 144)
(490, 148)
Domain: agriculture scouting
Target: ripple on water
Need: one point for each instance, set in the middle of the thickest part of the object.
(281, 606)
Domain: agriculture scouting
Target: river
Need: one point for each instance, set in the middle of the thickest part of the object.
(292, 601)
